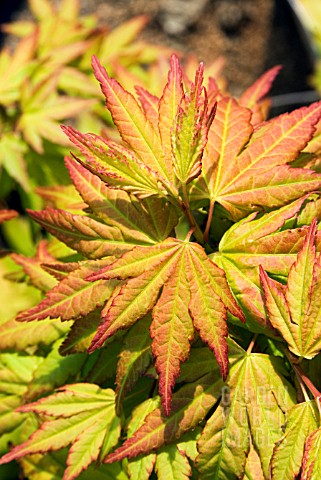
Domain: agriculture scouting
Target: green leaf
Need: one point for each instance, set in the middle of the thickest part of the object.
(53, 372)
(172, 464)
(19, 336)
(84, 416)
(190, 131)
(134, 359)
(16, 372)
(252, 406)
(80, 334)
(12, 157)
(302, 420)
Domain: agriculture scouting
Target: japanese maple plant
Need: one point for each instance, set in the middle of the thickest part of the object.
(180, 333)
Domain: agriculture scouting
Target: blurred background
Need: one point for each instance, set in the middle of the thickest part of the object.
(251, 36)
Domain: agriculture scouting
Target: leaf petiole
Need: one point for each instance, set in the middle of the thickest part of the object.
(209, 220)
(191, 220)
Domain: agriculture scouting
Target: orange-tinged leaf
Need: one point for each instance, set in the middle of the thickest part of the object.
(190, 131)
(295, 310)
(168, 107)
(133, 126)
(171, 331)
(311, 460)
(259, 241)
(217, 279)
(84, 234)
(258, 175)
(229, 133)
(149, 104)
(253, 466)
(189, 406)
(114, 164)
(135, 298)
(280, 142)
(146, 221)
(278, 310)
(208, 312)
(73, 297)
(300, 282)
(244, 284)
(253, 96)
(7, 215)
(271, 189)
(164, 265)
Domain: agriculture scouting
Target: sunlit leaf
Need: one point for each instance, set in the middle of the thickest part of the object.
(83, 416)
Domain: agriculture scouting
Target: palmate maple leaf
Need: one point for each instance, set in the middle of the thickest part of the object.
(295, 310)
(247, 169)
(176, 154)
(194, 292)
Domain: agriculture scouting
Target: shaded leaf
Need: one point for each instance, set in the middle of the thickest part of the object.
(53, 372)
(134, 359)
(172, 464)
(252, 406)
(33, 267)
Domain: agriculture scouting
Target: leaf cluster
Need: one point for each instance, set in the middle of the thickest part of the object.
(46, 79)
(180, 322)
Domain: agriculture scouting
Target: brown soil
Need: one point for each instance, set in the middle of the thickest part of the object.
(239, 30)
